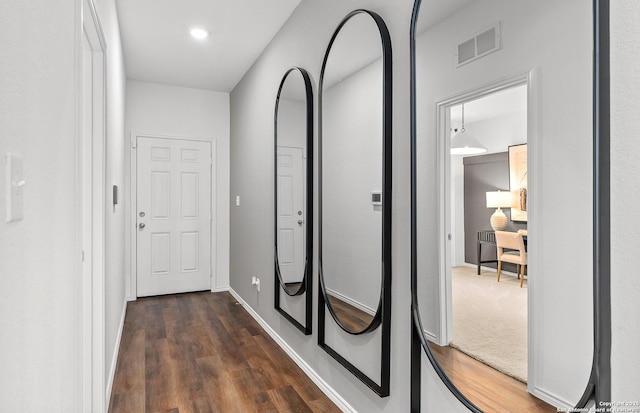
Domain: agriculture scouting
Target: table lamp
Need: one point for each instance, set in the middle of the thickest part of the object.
(499, 199)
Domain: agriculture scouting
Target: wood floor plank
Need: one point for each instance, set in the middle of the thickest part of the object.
(486, 387)
(159, 380)
(350, 316)
(203, 353)
(288, 400)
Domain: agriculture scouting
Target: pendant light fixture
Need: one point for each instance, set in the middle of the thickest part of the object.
(464, 144)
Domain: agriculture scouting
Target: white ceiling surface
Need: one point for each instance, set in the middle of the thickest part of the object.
(503, 103)
(158, 47)
(433, 12)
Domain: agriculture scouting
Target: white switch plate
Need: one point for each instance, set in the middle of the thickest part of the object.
(237, 200)
(14, 183)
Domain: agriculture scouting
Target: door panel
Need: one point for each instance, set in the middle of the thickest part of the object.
(173, 216)
(290, 219)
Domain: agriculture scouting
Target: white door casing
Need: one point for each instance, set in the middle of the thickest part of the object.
(173, 216)
(90, 152)
(291, 217)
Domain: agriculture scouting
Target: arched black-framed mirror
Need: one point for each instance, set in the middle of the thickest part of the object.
(293, 197)
(354, 181)
(586, 76)
(592, 19)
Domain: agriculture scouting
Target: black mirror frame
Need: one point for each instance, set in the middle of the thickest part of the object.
(307, 284)
(383, 313)
(599, 384)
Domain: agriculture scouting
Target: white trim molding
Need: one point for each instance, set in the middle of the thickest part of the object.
(116, 351)
(90, 147)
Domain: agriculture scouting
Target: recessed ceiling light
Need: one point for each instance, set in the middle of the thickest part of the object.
(199, 33)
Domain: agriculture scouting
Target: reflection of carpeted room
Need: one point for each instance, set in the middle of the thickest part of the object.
(490, 320)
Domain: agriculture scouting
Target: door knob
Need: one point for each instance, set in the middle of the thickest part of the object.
(141, 225)
(299, 222)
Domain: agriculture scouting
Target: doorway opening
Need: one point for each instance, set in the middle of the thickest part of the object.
(479, 316)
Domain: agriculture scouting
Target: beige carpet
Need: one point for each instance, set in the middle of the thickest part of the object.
(490, 320)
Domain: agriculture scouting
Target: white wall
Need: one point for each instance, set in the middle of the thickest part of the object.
(39, 279)
(561, 155)
(625, 198)
(189, 113)
(115, 215)
(38, 268)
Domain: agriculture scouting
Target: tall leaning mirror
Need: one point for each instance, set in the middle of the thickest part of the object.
(355, 198)
(293, 186)
(507, 209)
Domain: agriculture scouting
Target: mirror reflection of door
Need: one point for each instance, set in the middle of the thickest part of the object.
(290, 220)
(291, 180)
(293, 194)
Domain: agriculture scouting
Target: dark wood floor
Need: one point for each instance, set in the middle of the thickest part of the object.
(202, 352)
(487, 388)
(351, 317)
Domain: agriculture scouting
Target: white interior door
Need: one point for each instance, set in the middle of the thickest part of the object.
(173, 216)
(291, 213)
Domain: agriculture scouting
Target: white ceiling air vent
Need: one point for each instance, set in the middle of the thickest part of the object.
(488, 41)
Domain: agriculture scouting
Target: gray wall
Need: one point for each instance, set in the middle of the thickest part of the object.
(302, 42)
(40, 292)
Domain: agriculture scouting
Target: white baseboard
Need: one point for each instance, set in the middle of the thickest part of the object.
(219, 289)
(430, 337)
(352, 302)
(319, 381)
(552, 399)
(116, 351)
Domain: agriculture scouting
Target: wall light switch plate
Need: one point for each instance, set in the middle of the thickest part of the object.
(237, 200)
(14, 187)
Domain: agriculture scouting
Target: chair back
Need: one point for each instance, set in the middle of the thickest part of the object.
(510, 240)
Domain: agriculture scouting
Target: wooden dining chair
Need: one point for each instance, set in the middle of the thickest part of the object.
(510, 248)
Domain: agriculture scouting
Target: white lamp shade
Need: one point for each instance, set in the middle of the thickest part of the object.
(499, 199)
(464, 144)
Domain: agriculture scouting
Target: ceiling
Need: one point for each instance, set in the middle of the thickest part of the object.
(505, 102)
(432, 13)
(158, 47)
